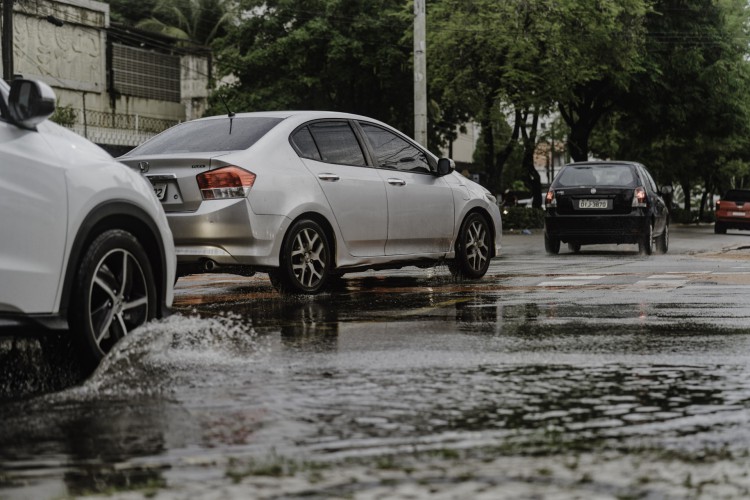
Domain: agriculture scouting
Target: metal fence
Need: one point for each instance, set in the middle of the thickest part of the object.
(117, 128)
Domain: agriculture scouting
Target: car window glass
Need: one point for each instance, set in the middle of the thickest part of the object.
(650, 180)
(337, 143)
(305, 145)
(597, 175)
(742, 195)
(4, 101)
(391, 151)
(208, 135)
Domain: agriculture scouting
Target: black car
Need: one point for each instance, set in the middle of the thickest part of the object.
(606, 202)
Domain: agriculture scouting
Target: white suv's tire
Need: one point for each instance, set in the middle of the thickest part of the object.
(114, 293)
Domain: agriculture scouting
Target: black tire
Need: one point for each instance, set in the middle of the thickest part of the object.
(551, 244)
(646, 242)
(574, 247)
(662, 242)
(720, 228)
(114, 293)
(305, 261)
(473, 250)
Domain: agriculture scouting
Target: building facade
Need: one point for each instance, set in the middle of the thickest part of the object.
(118, 86)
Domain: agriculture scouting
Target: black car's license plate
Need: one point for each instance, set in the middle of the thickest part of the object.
(593, 204)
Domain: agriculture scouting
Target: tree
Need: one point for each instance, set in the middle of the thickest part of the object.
(199, 21)
(479, 65)
(688, 115)
(343, 55)
(601, 52)
(130, 13)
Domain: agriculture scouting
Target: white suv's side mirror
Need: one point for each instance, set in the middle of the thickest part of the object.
(30, 102)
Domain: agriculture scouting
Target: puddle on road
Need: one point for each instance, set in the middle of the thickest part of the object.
(367, 374)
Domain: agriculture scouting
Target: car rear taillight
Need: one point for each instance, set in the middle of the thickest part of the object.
(639, 197)
(225, 182)
(550, 200)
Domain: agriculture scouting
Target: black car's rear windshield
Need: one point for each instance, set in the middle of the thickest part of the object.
(208, 136)
(742, 195)
(597, 175)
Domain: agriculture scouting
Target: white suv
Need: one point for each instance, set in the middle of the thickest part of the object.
(84, 244)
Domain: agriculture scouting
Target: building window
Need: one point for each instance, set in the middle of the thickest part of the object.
(147, 74)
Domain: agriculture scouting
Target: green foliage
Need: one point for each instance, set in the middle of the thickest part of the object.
(341, 55)
(130, 12)
(688, 115)
(519, 218)
(64, 115)
(199, 21)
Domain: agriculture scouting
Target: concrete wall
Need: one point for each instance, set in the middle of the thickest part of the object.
(72, 59)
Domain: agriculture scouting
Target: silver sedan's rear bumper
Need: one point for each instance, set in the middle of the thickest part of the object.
(229, 233)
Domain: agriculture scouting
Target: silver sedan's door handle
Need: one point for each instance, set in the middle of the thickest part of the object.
(328, 177)
(396, 182)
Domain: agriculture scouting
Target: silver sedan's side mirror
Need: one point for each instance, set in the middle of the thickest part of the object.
(30, 102)
(445, 166)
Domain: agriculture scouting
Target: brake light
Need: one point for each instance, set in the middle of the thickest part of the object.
(225, 182)
(550, 200)
(639, 197)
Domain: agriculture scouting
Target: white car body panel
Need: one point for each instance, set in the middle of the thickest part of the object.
(65, 178)
(33, 225)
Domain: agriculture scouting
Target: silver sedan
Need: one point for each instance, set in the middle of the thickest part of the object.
(308, 196)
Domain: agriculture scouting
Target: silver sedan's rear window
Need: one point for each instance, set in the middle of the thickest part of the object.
(208, 136)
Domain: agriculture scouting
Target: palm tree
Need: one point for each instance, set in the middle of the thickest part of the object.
(197, 21)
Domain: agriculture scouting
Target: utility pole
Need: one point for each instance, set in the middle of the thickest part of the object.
(7, 40)
(420, 74)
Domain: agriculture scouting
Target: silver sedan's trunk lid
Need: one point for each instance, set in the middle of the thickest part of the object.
(174, 178)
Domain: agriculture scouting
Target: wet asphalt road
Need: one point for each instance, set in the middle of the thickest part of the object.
(599, 375)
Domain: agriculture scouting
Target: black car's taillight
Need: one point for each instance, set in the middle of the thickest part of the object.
(550, 200)
(639, 197)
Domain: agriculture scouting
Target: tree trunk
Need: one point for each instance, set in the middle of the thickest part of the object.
(533, 180)
(578, 142)
(685, 184)
(502, 156)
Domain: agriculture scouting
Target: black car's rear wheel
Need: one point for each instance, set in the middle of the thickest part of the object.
(472, 248)
(114, 293)
(662, 242)
(574, 247)
(305, 262)
(551, 244)
(646, 243)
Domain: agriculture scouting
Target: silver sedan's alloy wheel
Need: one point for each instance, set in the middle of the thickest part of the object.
(477, 249)
(305, 261)
(114, 293)
(473, 250)
(309, 259)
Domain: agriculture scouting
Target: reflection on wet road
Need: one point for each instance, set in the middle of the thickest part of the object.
(613, 376)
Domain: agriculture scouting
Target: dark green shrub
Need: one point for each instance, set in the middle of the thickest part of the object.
(519, 218)
(682, 216)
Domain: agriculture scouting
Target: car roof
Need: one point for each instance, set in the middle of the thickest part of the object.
(302, 114)
(603, 163)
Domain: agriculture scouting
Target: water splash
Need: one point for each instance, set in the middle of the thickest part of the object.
(148, 360)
